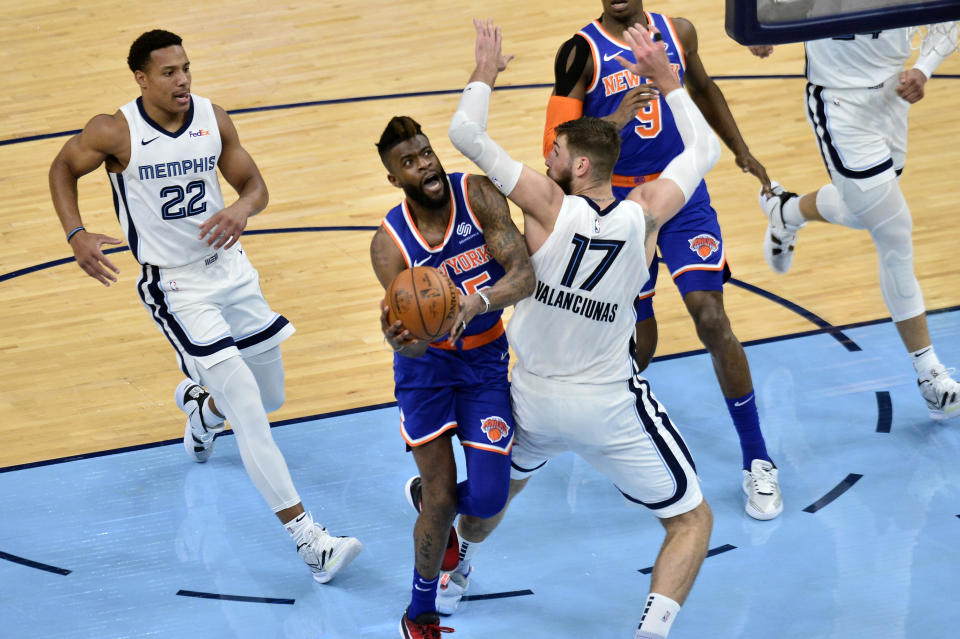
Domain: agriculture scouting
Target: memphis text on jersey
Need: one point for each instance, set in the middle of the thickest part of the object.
(575, 303)
(174, 169)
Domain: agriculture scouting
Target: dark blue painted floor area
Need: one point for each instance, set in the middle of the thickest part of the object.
(880, 559)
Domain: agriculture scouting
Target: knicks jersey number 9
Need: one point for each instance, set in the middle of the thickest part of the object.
(649, 117)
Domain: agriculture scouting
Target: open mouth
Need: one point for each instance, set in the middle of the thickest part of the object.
(432, 185)
(182, 99)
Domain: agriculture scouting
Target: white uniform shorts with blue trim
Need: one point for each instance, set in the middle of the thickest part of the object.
(212, 309)
(620, 429)
(862, 133)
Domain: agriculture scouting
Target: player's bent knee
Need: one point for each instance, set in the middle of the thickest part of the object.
(486, 500)
(273, 399)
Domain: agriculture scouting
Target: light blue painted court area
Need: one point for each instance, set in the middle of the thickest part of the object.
(880, 559)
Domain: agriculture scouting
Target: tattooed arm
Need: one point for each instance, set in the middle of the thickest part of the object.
(506, 246)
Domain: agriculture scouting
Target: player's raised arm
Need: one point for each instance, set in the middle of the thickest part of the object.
(103, 137)
(662, 198)
(537, 195)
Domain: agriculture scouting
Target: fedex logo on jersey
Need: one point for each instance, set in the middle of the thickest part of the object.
(704, 245)
(468, 259)
(199, 133)
(495, 428)
(623, 80)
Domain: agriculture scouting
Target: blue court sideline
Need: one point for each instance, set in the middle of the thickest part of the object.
(145, 543)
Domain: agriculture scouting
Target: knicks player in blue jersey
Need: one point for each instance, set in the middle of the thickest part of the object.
(162, 152)
(590, 81)
(458, 385)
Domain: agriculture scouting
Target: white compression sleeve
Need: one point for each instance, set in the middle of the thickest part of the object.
(468, 132)
(701, 146)
(234, 388)
(937, 45)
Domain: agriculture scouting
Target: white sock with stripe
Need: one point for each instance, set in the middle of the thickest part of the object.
(658, 616)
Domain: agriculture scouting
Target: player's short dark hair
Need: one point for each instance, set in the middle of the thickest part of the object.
(595, 138)
(399, 129)
(146, 44)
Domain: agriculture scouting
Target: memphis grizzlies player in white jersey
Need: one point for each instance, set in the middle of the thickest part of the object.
(162, 152)
(858, 96)
(574, 387)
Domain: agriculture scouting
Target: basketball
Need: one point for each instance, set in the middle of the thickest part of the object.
(425, 300)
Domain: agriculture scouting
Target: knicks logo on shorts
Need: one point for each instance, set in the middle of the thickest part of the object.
(704, 245)
(495, 428)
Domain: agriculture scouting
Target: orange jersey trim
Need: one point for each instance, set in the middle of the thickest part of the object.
(396, 240)
(466, 200)
(413, 226)
(492, 449)
(473, 341)
(676, 39)
(413, 443)
(630, 181)
(617, 41)
(560, 109)
(709, 267)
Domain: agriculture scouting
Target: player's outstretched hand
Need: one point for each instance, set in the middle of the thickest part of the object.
(396, 335)
(761, 50)
(750, 164)
(223, 229)
(90, 257)
(910, 85)
(489, 45)
(652, 61)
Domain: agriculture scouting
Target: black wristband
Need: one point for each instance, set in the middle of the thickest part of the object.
(74, 232)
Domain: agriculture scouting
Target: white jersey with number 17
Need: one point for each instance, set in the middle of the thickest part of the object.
(169, 186)
(577, 325)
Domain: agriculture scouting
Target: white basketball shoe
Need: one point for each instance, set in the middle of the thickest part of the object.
(941, 392)
(325, 554)
(781, 237)
(762, 490)
(197, 438)
(451, 589)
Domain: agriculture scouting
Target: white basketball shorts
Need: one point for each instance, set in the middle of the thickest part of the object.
(620, 429)
(862, 133)
(212, 309)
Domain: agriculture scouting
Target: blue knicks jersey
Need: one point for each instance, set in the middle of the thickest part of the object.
(463, 254)
(651, 139)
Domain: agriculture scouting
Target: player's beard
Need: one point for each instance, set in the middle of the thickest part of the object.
(415, 193)
(563, 179)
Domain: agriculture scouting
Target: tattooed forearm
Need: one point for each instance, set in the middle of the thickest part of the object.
(504, 242)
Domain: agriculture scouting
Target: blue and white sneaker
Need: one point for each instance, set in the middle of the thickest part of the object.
(197, 438)
(941, 392)
(781, 237)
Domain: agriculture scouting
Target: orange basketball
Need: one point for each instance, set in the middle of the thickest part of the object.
(425, 300)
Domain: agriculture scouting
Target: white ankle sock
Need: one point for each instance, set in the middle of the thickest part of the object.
(299, 525)
(792, 216)
(211, 421)
(467, 548)
(658, 616)
(924, 360)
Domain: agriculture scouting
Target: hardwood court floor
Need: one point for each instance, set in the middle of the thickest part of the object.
(311, 87)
